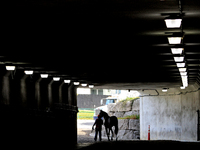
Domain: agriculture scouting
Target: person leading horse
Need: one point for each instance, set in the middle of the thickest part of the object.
(109, 123)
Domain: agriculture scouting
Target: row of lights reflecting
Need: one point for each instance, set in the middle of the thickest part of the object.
(177, 39)
(30, 72)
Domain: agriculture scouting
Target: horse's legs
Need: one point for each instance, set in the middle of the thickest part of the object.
(112, 134)
(108, 133)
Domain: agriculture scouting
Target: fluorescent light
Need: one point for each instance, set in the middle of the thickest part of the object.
(177, 50)
(164, 89)
(76, 83)
(10, 68)
(91, 86)
(84, 84)
(174, 40)
(178, 59)
(180, 65)
(173, 23)
(184, 77)
(182, 69)
(44, 75)
(67, 81)
(185, 83)
(183, 73)
(28, 72)
(56, 78)
(185, 80)
(182, 87)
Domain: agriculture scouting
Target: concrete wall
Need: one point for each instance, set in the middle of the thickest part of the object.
(88, 101)
(171, 117)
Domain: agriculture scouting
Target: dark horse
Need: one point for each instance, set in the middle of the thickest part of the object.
(109, 123)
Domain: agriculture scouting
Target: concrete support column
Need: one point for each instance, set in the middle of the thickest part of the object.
(55, 91)
(6, 89)
(23, 91)
(38, 93)
(50, 94)
(45, 94)
(27, 90)
(63, 93)
(72, 94)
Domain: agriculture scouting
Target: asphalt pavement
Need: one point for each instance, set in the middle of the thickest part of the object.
(84, 131)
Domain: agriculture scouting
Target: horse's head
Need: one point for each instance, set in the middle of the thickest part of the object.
(103, 113)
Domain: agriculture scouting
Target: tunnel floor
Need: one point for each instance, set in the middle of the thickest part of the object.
(121, 145)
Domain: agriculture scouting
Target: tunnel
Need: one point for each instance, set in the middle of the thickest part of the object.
(148, 46)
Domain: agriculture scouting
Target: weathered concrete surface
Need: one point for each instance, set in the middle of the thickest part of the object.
(156, 145)
(171, 117)
(129, 129)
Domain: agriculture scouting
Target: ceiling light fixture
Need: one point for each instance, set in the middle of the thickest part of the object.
(179, 59)
(185, 80)
(28, 72)
(164, 90)
(182, 69)
(44, 75)
(174, 40)
(183, 73)
(10, 68)
(76, 83)
(182, 87)
(185, 83)
(180, 65)
(56, 78)
(91, 86)
(67, 81)
(173, 23)
(177, 50)
(84, 84)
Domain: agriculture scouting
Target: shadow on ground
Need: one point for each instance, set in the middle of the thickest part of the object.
(154, 145)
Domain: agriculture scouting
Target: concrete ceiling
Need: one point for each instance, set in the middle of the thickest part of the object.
(110, 43)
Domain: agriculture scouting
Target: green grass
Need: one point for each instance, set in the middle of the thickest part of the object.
(130, 117)
(85, 114)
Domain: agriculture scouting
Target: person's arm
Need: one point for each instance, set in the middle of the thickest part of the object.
(93, 125)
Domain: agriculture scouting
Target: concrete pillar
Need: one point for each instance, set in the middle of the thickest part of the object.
(6, 89)
(38, 93)
(23, 91)
(63, 93)
(45, 93)
(55, 91)
(72, 94)
(50, 94)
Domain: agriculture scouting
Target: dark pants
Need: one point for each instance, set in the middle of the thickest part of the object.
(96, 133)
